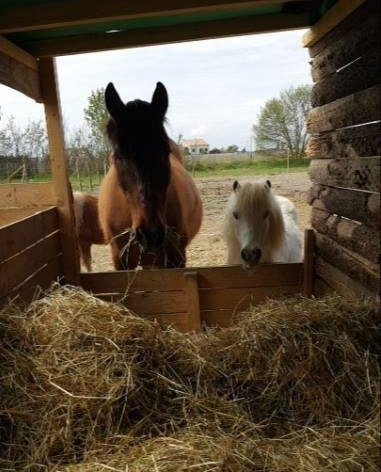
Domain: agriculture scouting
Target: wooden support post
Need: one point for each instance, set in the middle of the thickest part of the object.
(309, 240)
(50, 94)
(192, 300)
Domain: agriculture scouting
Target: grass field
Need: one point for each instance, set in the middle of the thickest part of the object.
(209, 170)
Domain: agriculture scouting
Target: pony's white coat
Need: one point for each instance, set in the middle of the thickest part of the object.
(265, 221)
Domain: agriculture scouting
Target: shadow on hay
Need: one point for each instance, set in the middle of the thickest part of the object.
(78, 373)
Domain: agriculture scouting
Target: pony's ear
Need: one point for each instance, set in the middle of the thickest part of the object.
(236, 185)
(114, 104)
(268, 184)
(160, 100)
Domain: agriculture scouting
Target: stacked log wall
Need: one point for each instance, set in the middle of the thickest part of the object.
(345, 150)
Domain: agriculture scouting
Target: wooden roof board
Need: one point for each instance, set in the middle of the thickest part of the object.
(42, 27)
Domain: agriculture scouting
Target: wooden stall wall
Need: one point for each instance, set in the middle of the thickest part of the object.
(30, 255)
(345, 154)
(188, 298)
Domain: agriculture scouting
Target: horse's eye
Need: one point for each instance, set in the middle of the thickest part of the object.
(266, 214)
(235, 214)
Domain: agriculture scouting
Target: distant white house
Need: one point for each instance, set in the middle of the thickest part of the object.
(196, 146)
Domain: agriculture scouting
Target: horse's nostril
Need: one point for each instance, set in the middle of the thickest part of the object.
(257, 253)
(245, 254)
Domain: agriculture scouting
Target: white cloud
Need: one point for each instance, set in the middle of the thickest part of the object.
(216, 87)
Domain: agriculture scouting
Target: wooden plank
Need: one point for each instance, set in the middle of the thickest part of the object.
(17, 236)
(18, 76)
(12, 215)
(192, 300)
(309, 242)
(356, 205)
(34, 286)
(356, 237)
(238, 299)
(359, 40)
(360, 173)
(360, 107)
(34, 195)
(358, 141)
(49, 87)
(208, 277)
(348, 25)
(338, 281)
(21, 56)
(62, 14)
(335, 15)
(16, 269)
(166, 34)
(360, 75)
(150, 303)
(355, 267)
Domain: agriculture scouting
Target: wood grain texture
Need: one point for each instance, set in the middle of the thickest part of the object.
(17, 236)
(11, 215)
(34, 286)
(17, 269)
(360, 75)
(34, 195)
(21, 56)
(338, 281)
(20, 77)
(356, 205)
(308, 271)
(358, 141)
(335, 15)
(192, 300)
(355, 267)
(360, 107)
(357, 237)
(208, 277)
(239, 299)
(64, 198)
(361, 40)
(349, 24)
(360, 173)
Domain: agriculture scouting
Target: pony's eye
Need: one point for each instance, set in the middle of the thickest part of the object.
(266, 214)
(235, 214)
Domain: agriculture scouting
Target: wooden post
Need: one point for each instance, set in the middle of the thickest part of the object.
(309, 239)
(50, 95)
(192, 300)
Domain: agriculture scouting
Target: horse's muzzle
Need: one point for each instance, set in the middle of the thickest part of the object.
(251, 256)
(150, 241)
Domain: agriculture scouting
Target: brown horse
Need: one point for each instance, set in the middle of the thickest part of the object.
(87, 225)
(149, 207)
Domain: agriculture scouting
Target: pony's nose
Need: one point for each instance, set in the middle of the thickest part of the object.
(150, 240)
(251, 256)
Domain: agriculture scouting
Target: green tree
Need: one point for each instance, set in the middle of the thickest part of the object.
(232, 148)
(96, 117)
(281, 122)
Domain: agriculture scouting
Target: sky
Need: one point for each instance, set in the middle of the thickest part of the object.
(216, 87)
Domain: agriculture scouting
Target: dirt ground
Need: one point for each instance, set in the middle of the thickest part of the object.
(208, 248)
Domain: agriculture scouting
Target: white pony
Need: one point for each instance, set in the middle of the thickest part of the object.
(260, 226)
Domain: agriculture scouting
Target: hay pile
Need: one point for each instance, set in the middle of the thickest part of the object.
(87, 386)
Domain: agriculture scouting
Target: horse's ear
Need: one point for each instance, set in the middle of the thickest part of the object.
(236, 185)
(160, 100)
(114, 104)
(268, 183)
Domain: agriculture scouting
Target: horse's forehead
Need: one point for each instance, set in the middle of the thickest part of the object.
(252, 196)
